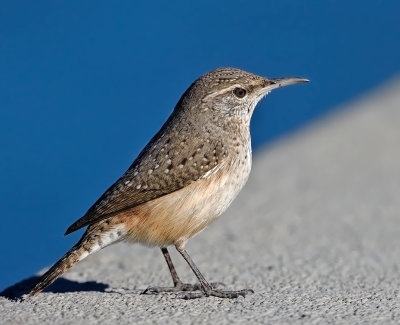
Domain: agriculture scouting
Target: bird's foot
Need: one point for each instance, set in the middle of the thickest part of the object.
(180, 286)
(215, 293)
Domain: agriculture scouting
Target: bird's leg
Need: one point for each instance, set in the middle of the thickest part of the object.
(206, 288)
(175, 278)
(178, 284)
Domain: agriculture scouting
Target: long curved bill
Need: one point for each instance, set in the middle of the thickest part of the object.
(282, 82)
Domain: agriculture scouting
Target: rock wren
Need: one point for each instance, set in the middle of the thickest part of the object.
(184, 179)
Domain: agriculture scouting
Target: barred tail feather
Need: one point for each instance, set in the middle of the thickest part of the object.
(95, 238)
(74, 255)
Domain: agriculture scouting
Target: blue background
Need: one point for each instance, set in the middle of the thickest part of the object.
(85, 84)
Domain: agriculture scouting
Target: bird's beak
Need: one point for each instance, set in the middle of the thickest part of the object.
(282, 82)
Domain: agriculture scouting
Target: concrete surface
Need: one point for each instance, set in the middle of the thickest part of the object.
(315, 233)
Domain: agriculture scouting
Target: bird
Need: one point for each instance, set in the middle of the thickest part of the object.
(183, 180)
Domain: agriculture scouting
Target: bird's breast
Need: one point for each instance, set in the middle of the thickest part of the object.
(176, 217)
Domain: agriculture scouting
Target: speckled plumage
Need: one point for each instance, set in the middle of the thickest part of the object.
(192, 141)
(184, 178)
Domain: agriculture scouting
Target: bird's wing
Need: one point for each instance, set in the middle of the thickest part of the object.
(160, 169)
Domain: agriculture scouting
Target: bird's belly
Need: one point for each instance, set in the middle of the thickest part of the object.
(176, 217)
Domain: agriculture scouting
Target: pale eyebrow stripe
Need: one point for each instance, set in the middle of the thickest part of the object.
(223, 91)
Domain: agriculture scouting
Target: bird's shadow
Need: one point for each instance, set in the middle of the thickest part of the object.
(61, 285)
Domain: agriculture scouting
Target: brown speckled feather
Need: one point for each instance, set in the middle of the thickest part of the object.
(165, 165)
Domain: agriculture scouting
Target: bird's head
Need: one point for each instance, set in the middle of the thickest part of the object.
(231, 92)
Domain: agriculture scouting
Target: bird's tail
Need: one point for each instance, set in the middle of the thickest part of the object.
(90, 242)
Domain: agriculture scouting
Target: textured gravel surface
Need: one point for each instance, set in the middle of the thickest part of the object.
(315, 233)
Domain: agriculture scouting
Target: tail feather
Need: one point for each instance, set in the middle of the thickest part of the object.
(74, 255)
(95, 238)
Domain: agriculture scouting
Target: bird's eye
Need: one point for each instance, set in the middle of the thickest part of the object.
(239, 92)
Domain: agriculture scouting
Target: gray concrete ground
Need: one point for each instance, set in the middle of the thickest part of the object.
(315, 233)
